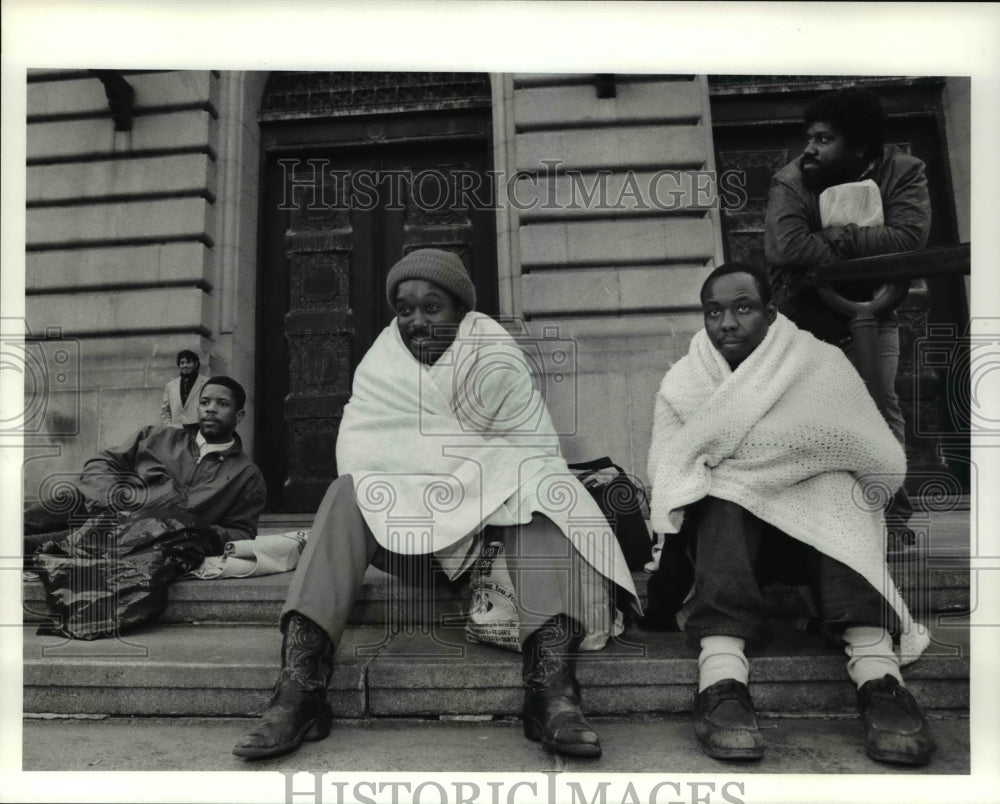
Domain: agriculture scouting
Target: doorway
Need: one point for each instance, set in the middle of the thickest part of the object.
(351, 183)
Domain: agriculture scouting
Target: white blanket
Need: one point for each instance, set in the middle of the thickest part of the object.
(793, 437)
(438, 452)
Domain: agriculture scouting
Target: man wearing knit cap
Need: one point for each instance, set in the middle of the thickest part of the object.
(443, 268)
(446, 424)
(441, 278)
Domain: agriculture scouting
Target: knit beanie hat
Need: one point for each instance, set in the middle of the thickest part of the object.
(441, 267)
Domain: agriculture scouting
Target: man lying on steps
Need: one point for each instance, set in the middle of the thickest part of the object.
(200, 468)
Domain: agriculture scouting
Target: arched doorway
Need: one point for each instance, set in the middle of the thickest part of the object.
(357, 170)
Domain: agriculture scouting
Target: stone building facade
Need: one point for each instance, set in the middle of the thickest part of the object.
(152, 226)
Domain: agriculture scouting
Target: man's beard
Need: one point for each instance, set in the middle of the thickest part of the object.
(827, 175)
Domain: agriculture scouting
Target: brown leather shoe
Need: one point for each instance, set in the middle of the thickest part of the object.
(725, 722)
(895, 728)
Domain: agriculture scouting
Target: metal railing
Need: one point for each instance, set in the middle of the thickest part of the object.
(896, 271)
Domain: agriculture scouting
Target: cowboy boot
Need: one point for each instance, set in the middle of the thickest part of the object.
(551, 712)
(298, 709)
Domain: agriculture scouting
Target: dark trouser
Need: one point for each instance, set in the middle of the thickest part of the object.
(736, 554)
(543, 566)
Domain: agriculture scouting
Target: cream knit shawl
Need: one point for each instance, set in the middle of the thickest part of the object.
(438, 452)
(792, 436)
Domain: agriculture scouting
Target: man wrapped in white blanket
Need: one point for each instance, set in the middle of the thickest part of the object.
(771, 461)
(445, 435)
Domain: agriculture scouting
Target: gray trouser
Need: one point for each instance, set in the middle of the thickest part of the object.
(901, 507)
(544, 566)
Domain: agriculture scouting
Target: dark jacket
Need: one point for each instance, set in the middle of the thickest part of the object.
(160, 466)
(794, 240)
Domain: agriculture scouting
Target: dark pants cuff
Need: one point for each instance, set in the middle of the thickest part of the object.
(737, 554)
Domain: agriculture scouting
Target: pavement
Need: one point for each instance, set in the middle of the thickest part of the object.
(636, 744)
(648, 759)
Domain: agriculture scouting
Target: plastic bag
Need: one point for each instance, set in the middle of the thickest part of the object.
(493, 618)
(623, 503)
(111, 574)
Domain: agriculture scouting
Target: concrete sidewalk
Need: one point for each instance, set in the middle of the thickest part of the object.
(632, 745)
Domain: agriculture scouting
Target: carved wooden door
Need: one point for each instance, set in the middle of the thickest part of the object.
(336, 218)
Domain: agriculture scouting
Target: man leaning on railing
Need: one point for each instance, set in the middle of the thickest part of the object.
(847, 196)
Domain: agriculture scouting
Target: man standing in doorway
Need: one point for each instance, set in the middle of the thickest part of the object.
(181, 394)
(849, 195)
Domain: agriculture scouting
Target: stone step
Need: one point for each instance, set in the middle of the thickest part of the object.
(929, 584)
(259, 600)
(933, 575)
(228, 670)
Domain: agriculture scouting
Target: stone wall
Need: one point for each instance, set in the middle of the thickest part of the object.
(121, 249)
(144, 242)
(614, 226)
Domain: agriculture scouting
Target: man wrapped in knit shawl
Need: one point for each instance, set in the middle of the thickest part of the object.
(772, 462)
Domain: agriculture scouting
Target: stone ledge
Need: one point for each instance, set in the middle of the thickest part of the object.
(183, 87)
(77, 139)
(665, 101)
(621, 147)
(214, 671)
(190, 174)
(598, 243)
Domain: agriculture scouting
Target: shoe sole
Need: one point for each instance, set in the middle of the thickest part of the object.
(312, 731)
(742, 754)
(534, 732)
(913, 760)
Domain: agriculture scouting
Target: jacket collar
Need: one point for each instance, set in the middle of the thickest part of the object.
(192, 434)
(874, 168)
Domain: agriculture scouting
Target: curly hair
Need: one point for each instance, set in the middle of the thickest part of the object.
(856, 113)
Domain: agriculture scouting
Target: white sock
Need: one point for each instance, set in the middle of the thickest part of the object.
(871, 654)
(721, 658)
